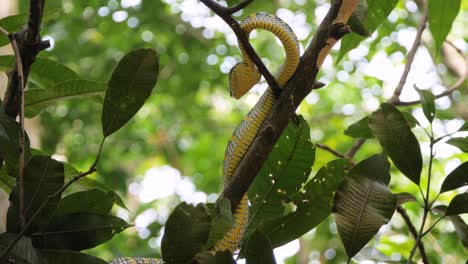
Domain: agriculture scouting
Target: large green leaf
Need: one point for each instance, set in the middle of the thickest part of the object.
(68, 257)
(461, 228)
(313, 206)
(9, 142)
(363, 203)
(287, 168)
(90, 201)
(460, 143)
(355, 22)
(78, 231)
(377, 12)
(38, 99)
(259, 250)
(186, 232)
(220, 223)
(428, 103)
(43, 177)
(456, 179)
(129, 87)
(22, 251)
(361, 129)
(394, 134)
(458, 205)
(442, 13)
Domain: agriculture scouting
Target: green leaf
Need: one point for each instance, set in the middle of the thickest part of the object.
(377, 12)
(360, 129)
(404, 198)
(186, 232)
(43, 176)
(412, 122)
(355, 21)
(220, 223)
(78, 231)
(456, 179)
(6, 61)
(68, 257)
(464, 127)
(90, 201)
(460, 143)
(461, 228)
(313, 206)
(287, 168)
(427, 102)
(6, 182)
(458, 205)
(129, 87)
(259, 249)
(363, 203)
(23, 250)
(9, 142)
(38, 99)
(394, 134)
(442, 13)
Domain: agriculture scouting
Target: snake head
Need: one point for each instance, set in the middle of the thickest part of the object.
(242, 78)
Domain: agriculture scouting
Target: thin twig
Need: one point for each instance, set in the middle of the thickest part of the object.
(225, 13)
(413, 232)
(332, 151)
(356, 146)
(411, 54)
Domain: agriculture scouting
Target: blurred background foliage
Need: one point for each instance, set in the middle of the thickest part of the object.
(173, 149)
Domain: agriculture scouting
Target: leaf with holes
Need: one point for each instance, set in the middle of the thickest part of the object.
(363, 203)
(43, 176)
(460, 143)
(456, 179)
(287, 168)
(442, 13)
(93, 201)
(78, 231)
(186, 232)
(313, 206)
(390, 127)
(377, 12)
(129, 87)
(259, 249)
(458, 205)
(37, 99)
(427, 102)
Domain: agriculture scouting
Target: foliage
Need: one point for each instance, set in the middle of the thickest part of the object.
(189, 119)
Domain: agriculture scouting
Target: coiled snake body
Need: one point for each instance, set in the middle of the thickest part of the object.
(241, 79)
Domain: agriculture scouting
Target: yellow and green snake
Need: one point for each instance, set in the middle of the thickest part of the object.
(241, 79)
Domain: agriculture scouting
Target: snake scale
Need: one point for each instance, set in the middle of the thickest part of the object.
(242, 78)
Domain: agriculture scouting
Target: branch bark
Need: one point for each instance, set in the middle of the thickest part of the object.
(413, 232)
(332, 28)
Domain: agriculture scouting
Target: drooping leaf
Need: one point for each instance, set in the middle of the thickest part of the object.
(456, 179)
(458, 205)
(360, 129)
(259, 249)
(22, 251)
(363, 203)
(68, 257)
(78, 231)
(9, 142)
(186, 232)
(428, 103)
(287, 168)
(461, 228)
(394, 134)
(412, 121)
(129, 87)
(220, 223)
(404, 198)
(313, 206)
(460, 143)
(377, 12)
(441, 16)
(93, 201)
(38, 99)
(43, 176)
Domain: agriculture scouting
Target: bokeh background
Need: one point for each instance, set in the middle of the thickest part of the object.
(173, 149)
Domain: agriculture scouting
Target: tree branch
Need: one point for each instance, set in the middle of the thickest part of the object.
(410, 56)
(332, 28)
(332, 151)
(413, 232)
(356, 146)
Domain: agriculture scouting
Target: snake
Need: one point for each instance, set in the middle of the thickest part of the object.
(242, 77)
